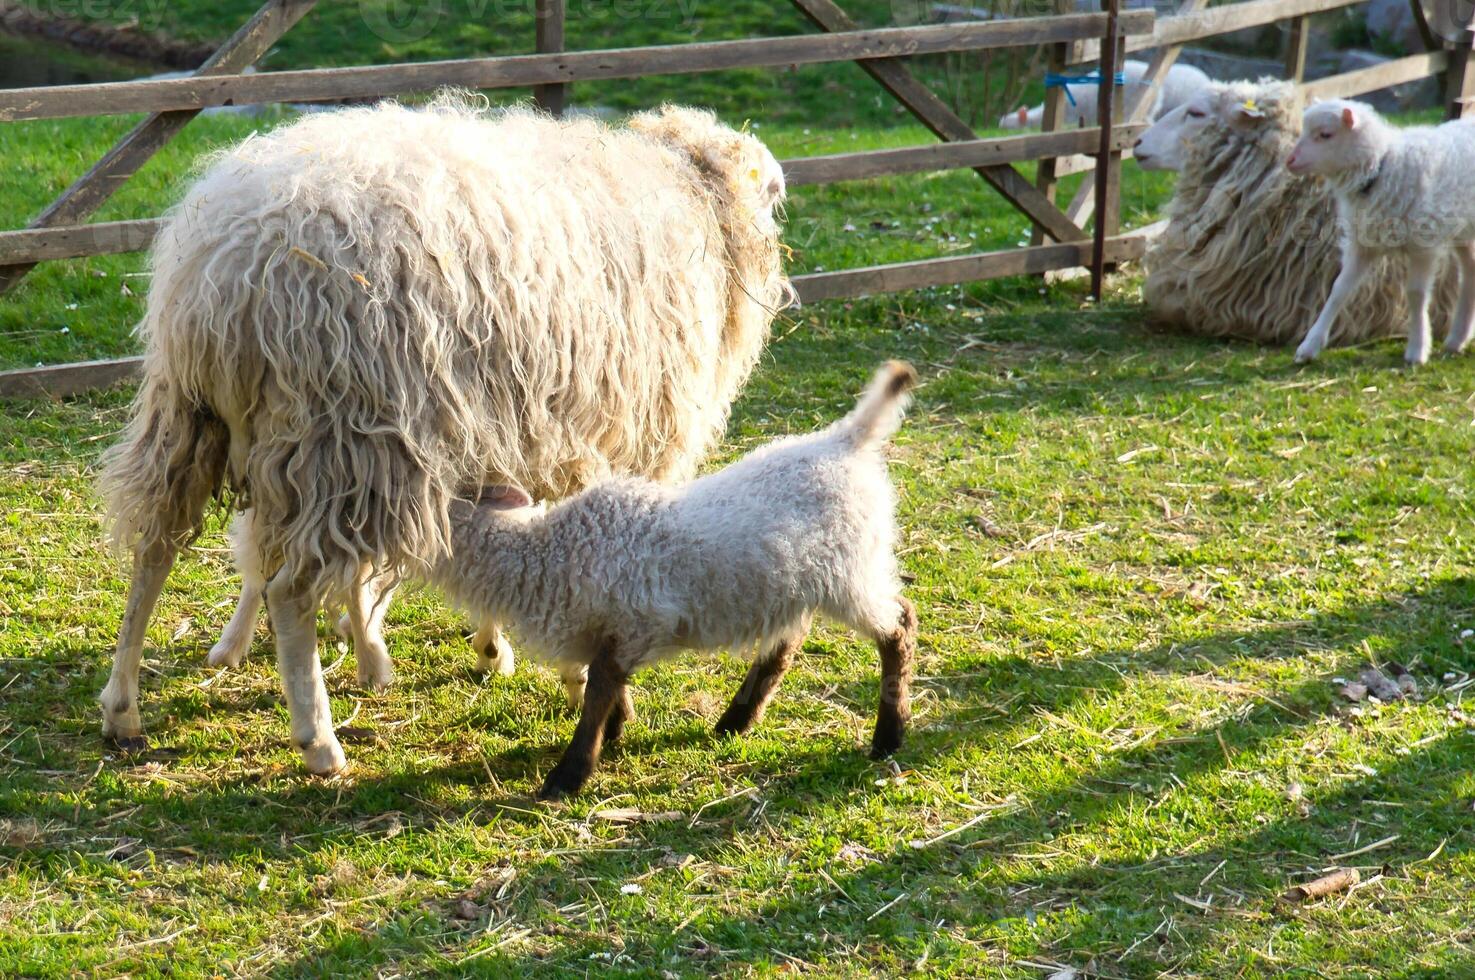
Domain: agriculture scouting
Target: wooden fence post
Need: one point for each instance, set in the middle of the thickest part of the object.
(92, 190)
(1055, 100)
(1461, 82)
(1108, 160)
(1296, 48)
(550, 16)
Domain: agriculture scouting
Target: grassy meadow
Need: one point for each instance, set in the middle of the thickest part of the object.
(1143, 563)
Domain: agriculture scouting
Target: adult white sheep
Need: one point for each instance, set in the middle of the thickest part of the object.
(1250, 250)
(357, 316)
(1399, 192)
(1181, 84)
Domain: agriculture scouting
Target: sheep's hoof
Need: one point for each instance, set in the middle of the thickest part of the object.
(563, 782)
(886, 741)
(324, 757)
(496, 658)
(1416, 358)
(733, 723)
(374, 670)
(128, 744)
(225, 654)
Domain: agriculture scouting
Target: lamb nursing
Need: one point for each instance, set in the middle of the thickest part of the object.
(629, 572)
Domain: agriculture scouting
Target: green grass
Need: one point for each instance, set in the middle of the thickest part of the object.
(1127, 686)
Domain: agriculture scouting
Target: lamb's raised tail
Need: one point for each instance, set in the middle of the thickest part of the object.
(878, 414)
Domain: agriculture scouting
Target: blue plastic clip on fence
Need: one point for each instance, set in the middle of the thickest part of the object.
(1066, 81)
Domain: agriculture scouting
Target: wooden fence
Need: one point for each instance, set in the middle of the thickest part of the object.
(1060, 239)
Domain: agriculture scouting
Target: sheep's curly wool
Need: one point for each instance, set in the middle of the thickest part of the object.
(1250, 250)
(358, 315)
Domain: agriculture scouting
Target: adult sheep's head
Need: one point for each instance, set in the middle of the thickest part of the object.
(1262, 113)
(746, 170)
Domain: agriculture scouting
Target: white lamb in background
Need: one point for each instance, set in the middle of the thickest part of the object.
(1250, 250)
(629, 572)
(1404, 191)
(1180, 85)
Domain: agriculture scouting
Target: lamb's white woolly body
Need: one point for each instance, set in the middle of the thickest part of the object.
(1250, 250)
(1400, 192)
(356, 317)
(629, 571)
(730, 560)
(1182, 82)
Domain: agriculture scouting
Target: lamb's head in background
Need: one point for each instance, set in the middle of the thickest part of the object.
(1021, 118)
(738, 159)
(1339, 137)
(1263, 112)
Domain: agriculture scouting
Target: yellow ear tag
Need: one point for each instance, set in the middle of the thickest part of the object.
(1251, 106)
(753, 175)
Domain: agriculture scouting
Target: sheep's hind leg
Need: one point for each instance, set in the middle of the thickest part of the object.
(606, 691)
(121, 723)
(235, 639)
(493, 652)
(1355, 265)
(1464, 319)
(1421, 269)
(759, 686)
(366, 609)
(898, 648)
(293, 611)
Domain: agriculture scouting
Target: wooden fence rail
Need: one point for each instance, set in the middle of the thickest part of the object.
(1060, 236)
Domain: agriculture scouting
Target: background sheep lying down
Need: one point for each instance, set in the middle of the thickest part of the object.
(1250, 249)
(359, 316)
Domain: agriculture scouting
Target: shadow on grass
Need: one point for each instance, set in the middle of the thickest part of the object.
(244, 815)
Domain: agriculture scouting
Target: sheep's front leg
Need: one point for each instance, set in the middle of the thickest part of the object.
(1421, 268)
(293, 611)
(121, 722)
(1355, 265)
(235, 639)
(606, 693)
(898, 648)
(493, 652)
(751, 700)
(1464, 322)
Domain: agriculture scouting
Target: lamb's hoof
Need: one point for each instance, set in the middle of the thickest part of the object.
(128, 744)
(562, 783)
(225, 654)
(886, 742)
(1415, 359)
(324, 757)
(1304, 356)
(730, 725)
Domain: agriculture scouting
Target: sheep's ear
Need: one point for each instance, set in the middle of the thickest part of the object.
(504, 497)
(1349, 118)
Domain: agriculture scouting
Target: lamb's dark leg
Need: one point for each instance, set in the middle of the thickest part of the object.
(623, 711)
(605, 692)
(898, 648)
(759, 687)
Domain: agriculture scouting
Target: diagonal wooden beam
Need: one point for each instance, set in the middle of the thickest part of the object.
(94, 188)
(920, 101)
